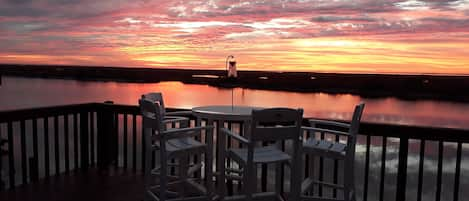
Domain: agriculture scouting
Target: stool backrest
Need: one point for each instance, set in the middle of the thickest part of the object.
(151, 114)
(276, 124)
(157, 98)
(353, 131)
(357, 115)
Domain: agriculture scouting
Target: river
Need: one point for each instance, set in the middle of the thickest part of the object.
(19, 92)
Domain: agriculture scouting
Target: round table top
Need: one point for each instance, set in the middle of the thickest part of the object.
(227, 112)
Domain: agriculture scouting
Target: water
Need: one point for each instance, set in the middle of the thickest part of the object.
(17, 92)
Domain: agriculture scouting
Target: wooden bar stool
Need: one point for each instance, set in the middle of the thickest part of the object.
(333, 150)
(268, 125)
(174, 143)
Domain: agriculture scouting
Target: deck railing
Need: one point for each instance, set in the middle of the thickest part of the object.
(48, 141)
(393, 162)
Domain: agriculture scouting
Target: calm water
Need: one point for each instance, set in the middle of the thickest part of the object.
(17, 92)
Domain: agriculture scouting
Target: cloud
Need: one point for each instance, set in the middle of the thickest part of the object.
(205, 27)
(257, 34)
(337, 18)
(16, 1)
(24, 27)
(279, 23)
(412, 5)
(459, 4)
(189, 25)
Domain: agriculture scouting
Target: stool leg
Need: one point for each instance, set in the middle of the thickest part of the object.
(349, 191)
(183, 164)
(164, 173)
(295, 180)
(311, 171)
(208, 171)
(250, 180)
(278, 179)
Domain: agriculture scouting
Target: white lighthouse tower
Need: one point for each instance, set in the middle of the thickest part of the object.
(231, 67)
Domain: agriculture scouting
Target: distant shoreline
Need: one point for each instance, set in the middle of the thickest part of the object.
(439, 87)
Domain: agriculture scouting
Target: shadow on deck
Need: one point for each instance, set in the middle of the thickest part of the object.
(93, 185)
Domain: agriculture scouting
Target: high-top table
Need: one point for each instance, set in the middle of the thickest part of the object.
(222, 114)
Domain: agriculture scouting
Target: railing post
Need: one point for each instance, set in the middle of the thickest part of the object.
(84, 146)
(402, 169)
(107, 137)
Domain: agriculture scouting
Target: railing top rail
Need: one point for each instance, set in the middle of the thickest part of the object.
(415, 132)
(29, 113)
(131, 109)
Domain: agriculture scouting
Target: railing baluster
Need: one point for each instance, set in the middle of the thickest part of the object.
(35, 173)
(264, 173)
(309, 163)
(124, 149)
(92, 139)
(11, 159)
(2, 152)
(67, 146)
(153, 165)
(402, 169)
(24, 157)
(84, 146)
(46, 148)
(229, 182)
(134, 143)
(383, 168)
(307, 158)
(282, 170)
(243, 130)
(336, 169)
(56, 145)
(367, 168)
(439, 171)
(457, 172)
(115, 144)
(321, 169)
(143, 148)
(420, 177)
(216, 144)
(75, 141)
(195, 157)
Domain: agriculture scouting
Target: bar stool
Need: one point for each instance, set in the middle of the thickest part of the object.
(268, 125)
(175, 143)
(334, 150)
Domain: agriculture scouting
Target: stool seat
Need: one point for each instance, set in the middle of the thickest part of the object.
(269, 154)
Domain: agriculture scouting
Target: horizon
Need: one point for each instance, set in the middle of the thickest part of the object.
(363, 36)
(245, 70)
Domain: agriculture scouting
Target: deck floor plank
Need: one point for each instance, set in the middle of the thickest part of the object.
(81, 186)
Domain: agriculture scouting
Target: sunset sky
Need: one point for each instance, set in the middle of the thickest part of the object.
(365, 36)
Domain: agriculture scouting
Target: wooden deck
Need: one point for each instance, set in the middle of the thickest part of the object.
(93, 141)
(114, 185)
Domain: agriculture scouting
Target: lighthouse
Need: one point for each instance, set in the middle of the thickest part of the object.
(231, 67)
